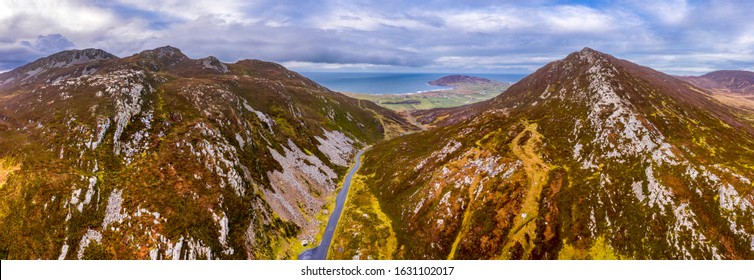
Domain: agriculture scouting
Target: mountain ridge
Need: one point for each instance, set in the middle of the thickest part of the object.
(727, 81)
(683, 91)
(29, 73)
(588, 157)
(159, 156)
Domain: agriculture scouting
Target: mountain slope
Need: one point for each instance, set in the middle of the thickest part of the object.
(165, 157)
(589, 157)
(56, 66)
(727, 81)
(734, 88)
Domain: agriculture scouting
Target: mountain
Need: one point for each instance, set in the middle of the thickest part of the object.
(590, 157)
(733, 88)
(452, 80)
(725, 81)
(55, 66)
(161, 156)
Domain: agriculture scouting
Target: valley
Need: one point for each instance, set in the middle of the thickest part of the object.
(320, 251)
(160, 156)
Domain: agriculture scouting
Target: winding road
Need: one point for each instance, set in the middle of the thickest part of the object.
(320, 252)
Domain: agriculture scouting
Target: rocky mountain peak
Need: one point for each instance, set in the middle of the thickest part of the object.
(213, 63)
(72, 57)
(172, 60)
(165, 51)
(585, 75)
(588, 56)
(589, 51)
(44, 66)
(162, 58)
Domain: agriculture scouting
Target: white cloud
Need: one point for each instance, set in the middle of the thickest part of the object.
(668, 12)
(577, 19)
(690, 71)
(313, 66)
(503, 59)
(696, 63)
(540, 20)
(745, 41)
(366, 20)
(393, 34)
(231, 11)
(488, 21)
(700, 57)
(525, 63)
(56, 16)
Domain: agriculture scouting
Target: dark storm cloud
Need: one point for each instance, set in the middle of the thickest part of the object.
(49, 43)
(13, 55)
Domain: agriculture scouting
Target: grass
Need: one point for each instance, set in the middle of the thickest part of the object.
(391, 129)
(413, 121)
(600, 250)
(364, 229)
(524, 147)
(743, 102)
(285, 248)
(7, 166)
(468, 213)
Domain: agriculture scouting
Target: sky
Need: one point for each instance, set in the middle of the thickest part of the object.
(474, 36)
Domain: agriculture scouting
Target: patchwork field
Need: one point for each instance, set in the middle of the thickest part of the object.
(460, 94)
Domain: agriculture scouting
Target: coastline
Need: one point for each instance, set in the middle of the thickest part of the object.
(393, 83)
(459, 95)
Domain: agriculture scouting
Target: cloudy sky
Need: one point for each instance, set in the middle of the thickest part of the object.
(677, 37)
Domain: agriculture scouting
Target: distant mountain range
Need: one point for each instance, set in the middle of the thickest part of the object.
(725, 81)
(590, 157)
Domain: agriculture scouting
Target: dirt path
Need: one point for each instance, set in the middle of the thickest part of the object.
(413, 121)
(536, 172)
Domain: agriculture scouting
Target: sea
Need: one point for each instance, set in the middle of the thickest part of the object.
(391, 83)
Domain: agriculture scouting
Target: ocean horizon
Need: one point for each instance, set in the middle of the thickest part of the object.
(392, 83)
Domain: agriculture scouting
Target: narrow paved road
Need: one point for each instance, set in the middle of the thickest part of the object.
(320, 252)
